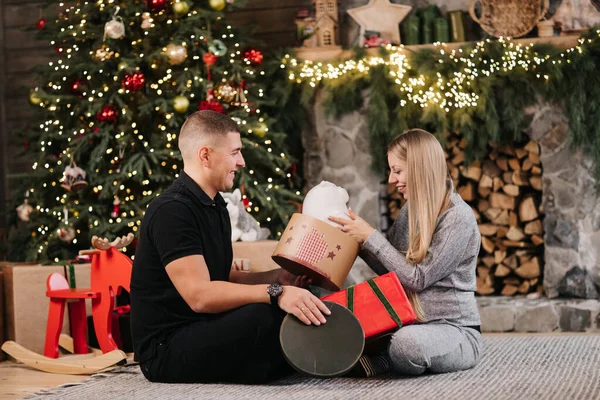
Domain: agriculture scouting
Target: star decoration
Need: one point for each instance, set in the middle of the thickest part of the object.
(381, 16)
(331, 255)
(289, 240)
(338, 247)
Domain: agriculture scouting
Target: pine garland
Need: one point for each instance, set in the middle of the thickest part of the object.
(509, 79)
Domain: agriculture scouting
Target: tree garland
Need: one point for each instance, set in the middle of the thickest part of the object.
(480, 90)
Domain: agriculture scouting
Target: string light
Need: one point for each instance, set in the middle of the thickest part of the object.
(448, 94)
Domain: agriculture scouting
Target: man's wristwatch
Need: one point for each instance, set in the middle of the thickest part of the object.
(274, 290)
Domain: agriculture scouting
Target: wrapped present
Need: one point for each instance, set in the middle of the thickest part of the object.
(380, 304)
(256, 256)
(26, 304)
(241, 264)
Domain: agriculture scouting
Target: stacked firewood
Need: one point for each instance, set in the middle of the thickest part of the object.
(505, 192)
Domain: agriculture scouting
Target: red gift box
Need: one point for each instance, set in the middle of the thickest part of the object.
(380, 304)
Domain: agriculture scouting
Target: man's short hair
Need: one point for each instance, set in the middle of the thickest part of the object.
(203, 127)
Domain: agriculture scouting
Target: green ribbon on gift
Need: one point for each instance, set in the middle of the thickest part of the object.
(350, 299)
(384, 301)
(71, 277)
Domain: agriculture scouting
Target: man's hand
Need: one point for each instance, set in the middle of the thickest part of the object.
(287, 278)
(304, 305)
(356, 227)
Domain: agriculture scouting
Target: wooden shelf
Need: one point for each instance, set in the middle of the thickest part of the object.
(337, 53)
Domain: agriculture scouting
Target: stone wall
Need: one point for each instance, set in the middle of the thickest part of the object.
(337, 150)
(519, 314)
(572, 207)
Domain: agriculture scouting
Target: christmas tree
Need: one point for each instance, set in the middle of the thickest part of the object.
(109, 107)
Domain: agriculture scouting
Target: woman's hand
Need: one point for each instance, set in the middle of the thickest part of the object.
(303, 304)
(356, 227)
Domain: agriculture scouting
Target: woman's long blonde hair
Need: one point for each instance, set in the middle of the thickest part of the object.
(429, 193)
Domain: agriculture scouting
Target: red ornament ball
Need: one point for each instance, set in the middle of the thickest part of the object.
(254, 56)
(58, 49)
(41, 24)
(210, 58)
(210, 105)
(134, 82)
(156, 5)
(76, 87)
(107, 114)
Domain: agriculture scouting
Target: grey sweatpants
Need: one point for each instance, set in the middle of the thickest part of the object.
(435, 347)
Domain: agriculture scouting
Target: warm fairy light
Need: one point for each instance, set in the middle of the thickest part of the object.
(453, 92)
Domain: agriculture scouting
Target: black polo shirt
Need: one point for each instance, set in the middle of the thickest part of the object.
(180, 222)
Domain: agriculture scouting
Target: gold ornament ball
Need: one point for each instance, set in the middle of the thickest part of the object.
(217, 4)
(181, 7)
(225, 92)
(176, 53)
(260, 129)
(34, 98)
(181, 104)
(104, 53)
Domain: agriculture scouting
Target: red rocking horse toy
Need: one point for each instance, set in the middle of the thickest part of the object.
(110, 274)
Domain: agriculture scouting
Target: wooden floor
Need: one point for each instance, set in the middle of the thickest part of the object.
(18, 380)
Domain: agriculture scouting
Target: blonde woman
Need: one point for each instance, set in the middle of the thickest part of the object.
(433, 247)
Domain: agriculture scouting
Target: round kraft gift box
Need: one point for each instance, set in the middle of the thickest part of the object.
(316, 249)
(324, 351)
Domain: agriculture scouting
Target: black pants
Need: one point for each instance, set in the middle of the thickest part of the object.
(240, 346)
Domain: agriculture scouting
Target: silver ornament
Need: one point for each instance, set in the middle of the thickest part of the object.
(24, 210)
(65, 231)
(114, 29)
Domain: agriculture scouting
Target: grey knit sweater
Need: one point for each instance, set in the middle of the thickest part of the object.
(445, 279)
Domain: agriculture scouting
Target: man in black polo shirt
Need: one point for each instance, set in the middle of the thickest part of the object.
(192, 318)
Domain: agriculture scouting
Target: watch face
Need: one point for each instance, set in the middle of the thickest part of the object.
(274, 289)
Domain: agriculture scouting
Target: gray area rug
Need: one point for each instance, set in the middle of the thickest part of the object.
(513, 367)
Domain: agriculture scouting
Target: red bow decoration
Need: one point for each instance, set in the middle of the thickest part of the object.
(211, 105)
(209, 59)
